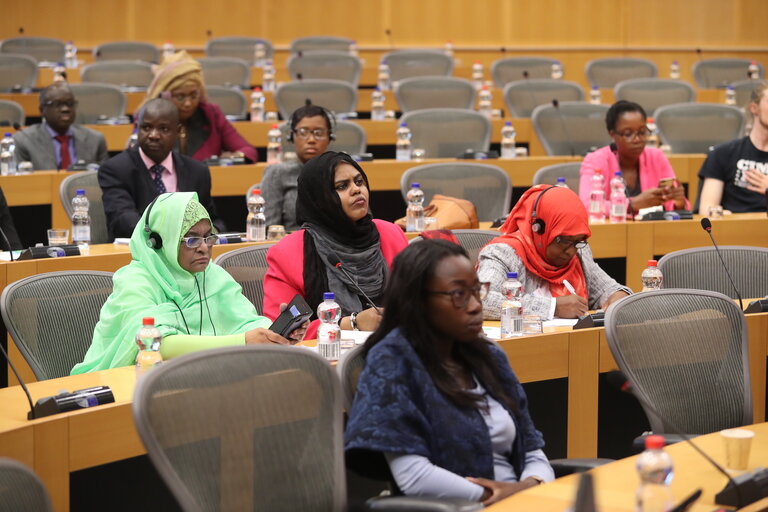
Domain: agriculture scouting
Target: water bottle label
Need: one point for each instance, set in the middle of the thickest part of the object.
(403, 155)
(81, 234)
(618, 210)
(595, 207)
(330, 351)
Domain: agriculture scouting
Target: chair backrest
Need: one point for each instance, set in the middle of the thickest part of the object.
(695, 127)
(225, 427)
(473, 240)
(228, 71)
(700, 268)
(448, 132)
(685, 352)
(248, 266)
(512, 69)
(11, 112)
(322, 44)
(98, 101)
(607, 72)
(231, 101)
(652, 93)
(718, 73)
(522, 96)
(51, 317)
(743, 90)
(88, 181)
(17, 72)
(573, 128)
(421, 92)
(335, 95)
(332, 65)
(351, 138)
(42, 49)
(349, 369)
(239, 47)
(128, 74)
(21, 489)
(127, 50)
(488, 187)
(408, 63)
(570, 171)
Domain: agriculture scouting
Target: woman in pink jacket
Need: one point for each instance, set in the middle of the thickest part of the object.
(332, 209)
(642, 167)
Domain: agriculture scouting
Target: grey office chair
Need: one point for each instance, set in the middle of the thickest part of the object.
(248, 266)
(51, 317)
(421, 92)
(17, 72)
(473, 240)
(549, 174)
(127, 74)
(410, 63)
(652, 93)
(607, 72)
(42, 49)
(350, 138)
(573, 128)
(322, 44)
(227, 71)
(512, 69)
(98, 101)
(12, 113)
(332, 65)
(700, 268)
(488, 187)
(522, 96)
(231, 101)
(448, 132)
(718, 73)
(21, 489)
(695, 127)
(240, 47)
(127, 50)
(335, 95)
(685, 353)
(743, 90)
(88, 181)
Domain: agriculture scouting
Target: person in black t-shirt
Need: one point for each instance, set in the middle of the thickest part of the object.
(735, 174)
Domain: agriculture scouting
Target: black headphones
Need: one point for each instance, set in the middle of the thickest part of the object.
(154, 240)
(537, 225)
(329, 117)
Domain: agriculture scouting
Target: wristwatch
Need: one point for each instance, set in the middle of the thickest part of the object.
(353, 321)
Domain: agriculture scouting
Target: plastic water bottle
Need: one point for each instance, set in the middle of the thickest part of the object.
(377, 105)
(448, 49)
(329, 333)
(730, 95)
(353, 49)
(512, 307)
(81, 221)
(595, 98)
(508, 135)
(168, 49)
(259, 55)
(274, 145)
(618, 198)
(653, 138)
(561, 183)
(674, 70)
(754, 71)
(70, 55)
(477, 74)
(7, 155)
(651, 277)
(256, 222)
(484, 105)
(403, 144)
(414, 213)
(148, 339)
(655, 469)
(268, 76)
(383, 79)
(597, 196)
(557, 71)
(257, 105)
(59, 73)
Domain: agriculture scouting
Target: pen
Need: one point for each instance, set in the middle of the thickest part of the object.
(569, 287)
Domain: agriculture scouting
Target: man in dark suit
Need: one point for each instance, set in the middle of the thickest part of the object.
(131, 180)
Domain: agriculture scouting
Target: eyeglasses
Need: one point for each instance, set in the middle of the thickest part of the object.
(628, 135)
(60, 104)
(317, 133)
(567, 244)
(181, 98)
(193, 242)
(460, 296)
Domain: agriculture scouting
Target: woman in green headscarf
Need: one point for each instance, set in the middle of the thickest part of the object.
(195, 305)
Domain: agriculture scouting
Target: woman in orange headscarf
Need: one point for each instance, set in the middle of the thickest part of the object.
(544, 240)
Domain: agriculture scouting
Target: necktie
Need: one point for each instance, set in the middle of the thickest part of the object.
(157, 170)
(66, 159)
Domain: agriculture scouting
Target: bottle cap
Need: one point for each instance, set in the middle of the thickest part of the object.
(257, 89)
(507, 123)
(650, 120)
(80, 192)
(7, 134)
(148, 320)
(256, 191)
(595, 88)
(617, 174)
(511, 275)
(403, 124)
(654, 442)
(275, 127)
(652, 263)
(561, 180)
(415, 185)
(598, 171)
(329, 295)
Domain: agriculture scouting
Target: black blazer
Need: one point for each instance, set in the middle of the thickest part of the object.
(127, 189)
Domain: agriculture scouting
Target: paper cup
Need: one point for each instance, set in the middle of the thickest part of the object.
(737, 441)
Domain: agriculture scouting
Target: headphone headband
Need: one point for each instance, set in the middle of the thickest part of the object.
(537, 225)
(329, 117)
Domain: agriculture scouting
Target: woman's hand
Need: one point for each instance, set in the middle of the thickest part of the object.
(232, 154)
(497, 491)
(297, 335)
(366, 320)
(570, 306)
(756, 181)
(647, 198)
(676, 194)
(613, 298)
(264, 336)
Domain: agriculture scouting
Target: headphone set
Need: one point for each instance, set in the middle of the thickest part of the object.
(154, 240)
(537, 225)
(329, 117)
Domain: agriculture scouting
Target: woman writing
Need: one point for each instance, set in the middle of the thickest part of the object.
(436, 397)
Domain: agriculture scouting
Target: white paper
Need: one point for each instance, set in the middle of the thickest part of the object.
(561, 322)
(6, 256)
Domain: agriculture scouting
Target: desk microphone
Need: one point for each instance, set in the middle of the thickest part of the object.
(707, 225)
(391, 41)
(10, 249)
(335, 261)
(531, 92)
(31, 414)
(703, 70)
(568, 138)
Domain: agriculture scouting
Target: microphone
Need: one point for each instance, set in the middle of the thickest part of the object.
(707, 225)
(5, 239)
(704, 71)
(531, 92)
(335, 261)
(31, 414)
(388, 33)
(568, 138)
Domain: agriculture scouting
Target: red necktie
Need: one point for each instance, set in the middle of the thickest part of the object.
(65, 158)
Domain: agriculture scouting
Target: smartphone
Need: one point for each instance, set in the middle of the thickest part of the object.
(666, 182)
(297, 312)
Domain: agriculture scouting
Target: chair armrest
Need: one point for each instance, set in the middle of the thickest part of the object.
(564, 467)
(421, 504)
(638, 444)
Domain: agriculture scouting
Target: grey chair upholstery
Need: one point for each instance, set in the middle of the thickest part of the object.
(51, 317)
(11, 112)
(448, 132)
(522, 96)
(42, 49)
(434, 92)
(488, 187)
(701, 269)
(351, 138)
(98, 101)
(127, 50)
(409, 63)
(607, 72)
(248, 266)
(227, 71)
(743, 90)
(574, 128)
(332, 65)
(239, 47)
(718, 73)
(17, 72)
(21, 489)
(570, 171)
(245, 428)
(335, 95)
(321, 43)
(695, 127)
(473, 240)
(684, 352)
(127, 74)
(88, 181)
(652, 93)
(231, 101)
(349, 368)
(512, 69)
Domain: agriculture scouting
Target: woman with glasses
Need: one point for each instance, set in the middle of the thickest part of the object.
(310, 132)
(650, 180)
(205, 132)
(436, 397)
(544, 240)
(195, 305)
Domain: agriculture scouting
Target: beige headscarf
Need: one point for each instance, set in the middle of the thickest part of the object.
(175, 71)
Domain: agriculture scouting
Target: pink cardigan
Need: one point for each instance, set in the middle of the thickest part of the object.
(654, 166)
(222, 136)
(285, 273)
